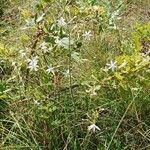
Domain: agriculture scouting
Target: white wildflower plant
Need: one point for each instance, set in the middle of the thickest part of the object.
(36, 102)
(33, 63)
(111, 66)
(44, 47)
(61, 22)
(87, 35)
(66, 73)
(93, 128)
(58, 42)
(50, 69)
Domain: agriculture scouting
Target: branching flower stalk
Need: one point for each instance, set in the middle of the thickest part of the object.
(70, 85)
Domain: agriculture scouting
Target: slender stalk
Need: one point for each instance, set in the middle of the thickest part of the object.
(71, 92)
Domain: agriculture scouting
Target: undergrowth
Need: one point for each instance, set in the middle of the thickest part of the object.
(75, 75)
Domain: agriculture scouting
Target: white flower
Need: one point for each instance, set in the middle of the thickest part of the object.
(43, 46)
(33, 66)
(61, 22)
(50, 69)
(66, 73)
(112, 65)
(87, 35)
(36, 102)
(58, 42)
(93, 127)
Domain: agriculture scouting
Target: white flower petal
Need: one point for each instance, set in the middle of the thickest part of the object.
(87, 35)
(61, 22)
(50, 69)
(112, 65)
(33, 66)
(93, 127)
(90, 127)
